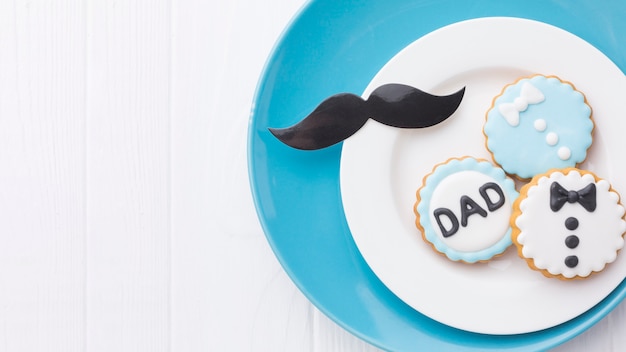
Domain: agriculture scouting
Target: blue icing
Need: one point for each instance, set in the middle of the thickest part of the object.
(523, 150)
(424, 207)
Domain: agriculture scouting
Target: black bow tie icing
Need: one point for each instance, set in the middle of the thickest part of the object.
(585, 197)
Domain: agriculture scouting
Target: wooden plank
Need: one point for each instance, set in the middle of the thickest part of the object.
(329, 337)
(42, 183)
(228, 291)
(128, 192)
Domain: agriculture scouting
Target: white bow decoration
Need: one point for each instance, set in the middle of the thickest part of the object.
(529, 95)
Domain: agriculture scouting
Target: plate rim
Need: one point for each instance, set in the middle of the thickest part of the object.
(256, 138)
(368, 168)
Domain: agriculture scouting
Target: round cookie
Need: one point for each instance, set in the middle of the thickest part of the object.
(536, 124)
(463, 209)
(568, 223)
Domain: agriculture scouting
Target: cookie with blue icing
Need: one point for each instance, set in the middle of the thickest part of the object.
(536, 124)
(463, 209)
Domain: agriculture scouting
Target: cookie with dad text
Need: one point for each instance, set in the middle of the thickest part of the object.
(463, 209)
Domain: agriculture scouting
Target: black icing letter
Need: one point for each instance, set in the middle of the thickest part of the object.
(491, 205)
(453, 221)
(470, 207)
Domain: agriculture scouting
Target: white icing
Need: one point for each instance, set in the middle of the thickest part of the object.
(520, 104)
(480, 232)
(564, 153)
(543, 232)
(552, 138)
(540, 125)
(529, 94)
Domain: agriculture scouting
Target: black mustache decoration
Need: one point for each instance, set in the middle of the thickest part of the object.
(341, 115)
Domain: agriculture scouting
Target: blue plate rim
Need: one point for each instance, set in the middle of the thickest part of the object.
(429, 332)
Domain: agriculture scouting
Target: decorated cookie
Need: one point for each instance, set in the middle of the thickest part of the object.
(536, 124)
(568, 223)
(463, 209)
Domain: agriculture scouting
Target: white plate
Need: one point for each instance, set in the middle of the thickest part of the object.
(382, 167)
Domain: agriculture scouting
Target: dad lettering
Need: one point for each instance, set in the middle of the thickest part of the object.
(469, 207)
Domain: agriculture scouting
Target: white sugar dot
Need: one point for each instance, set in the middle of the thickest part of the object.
(540, 125)
(552, 139)
(564, 153)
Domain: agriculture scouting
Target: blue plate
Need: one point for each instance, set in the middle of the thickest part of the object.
(338, 46)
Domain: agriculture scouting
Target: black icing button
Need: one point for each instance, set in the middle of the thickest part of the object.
(571, 261)
(572, 241)
(571, 223)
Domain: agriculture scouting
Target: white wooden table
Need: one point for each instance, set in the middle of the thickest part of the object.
(126, 218)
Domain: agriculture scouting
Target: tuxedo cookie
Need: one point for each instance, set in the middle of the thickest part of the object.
(568, 223)
(536, 124)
